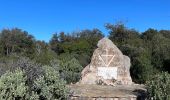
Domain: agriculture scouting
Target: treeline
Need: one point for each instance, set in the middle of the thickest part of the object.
(149, 51)
(36, 62)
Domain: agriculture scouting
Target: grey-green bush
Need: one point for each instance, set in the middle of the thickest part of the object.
(50, 86)
(12, 86)
(159, 87)
(69, 67)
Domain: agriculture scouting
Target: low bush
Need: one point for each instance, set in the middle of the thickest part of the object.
(159, 87)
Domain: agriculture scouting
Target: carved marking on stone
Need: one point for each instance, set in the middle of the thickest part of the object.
(107, 72)
(106, 56)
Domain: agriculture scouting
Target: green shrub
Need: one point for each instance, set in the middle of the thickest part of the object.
(71, 70)
(159, 87)
(32, 69)
(50, 86)
(12, 86)
(68, 66)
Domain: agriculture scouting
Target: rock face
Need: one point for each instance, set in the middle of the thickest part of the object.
(108, 66)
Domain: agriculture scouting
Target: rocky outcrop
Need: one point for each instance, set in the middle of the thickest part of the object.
(108, 66)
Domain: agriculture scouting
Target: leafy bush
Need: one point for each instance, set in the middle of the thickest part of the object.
(159, 87)
(12, 86)
(50, 86)
(69, 67)
(32, 69)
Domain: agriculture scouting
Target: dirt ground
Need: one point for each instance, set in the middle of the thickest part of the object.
(107, 91)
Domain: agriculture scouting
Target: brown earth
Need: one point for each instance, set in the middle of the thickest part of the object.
(119, 91)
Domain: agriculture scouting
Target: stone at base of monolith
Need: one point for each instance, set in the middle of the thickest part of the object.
(101, 92)
(108, 66)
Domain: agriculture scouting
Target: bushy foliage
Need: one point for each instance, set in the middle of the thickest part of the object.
(32, 69)
(13, 86)
(69, 67)
(141, 69)
(159, 87)
(141, 66)
(50, 86)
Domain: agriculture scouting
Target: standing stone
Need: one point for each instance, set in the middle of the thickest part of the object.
(108, 66)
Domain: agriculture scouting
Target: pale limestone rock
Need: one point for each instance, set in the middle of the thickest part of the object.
(108, 65)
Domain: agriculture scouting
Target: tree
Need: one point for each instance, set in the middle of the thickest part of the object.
(62, 37)
(17, 41)
(54, 44)
(43, 53)
(81, 43)
(92, 37)
(158, 44)
(6, 41)
(160, 50)
(149, 34)
(141, 66)
(142, 69)
(165, 33)
(121, 35)
(117, 32)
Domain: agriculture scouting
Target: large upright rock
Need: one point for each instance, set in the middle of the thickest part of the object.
(108, 66)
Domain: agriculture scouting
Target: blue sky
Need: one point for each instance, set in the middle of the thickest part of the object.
(42, 18)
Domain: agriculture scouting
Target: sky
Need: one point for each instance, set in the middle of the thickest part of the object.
(42, 18)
